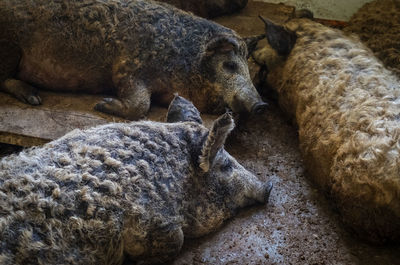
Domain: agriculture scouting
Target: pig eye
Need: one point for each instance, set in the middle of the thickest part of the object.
(230, 66)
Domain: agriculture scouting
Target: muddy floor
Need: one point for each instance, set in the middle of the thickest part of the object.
(294, 228)
(298, 226)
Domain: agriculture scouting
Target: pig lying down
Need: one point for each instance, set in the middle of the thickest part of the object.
(137, 50)
(347, 108)
(128, 189)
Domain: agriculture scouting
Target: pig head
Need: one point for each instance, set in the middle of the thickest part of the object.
(222, 185)
(224, 63)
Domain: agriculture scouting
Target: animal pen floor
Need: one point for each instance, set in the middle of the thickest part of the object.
(298, 226)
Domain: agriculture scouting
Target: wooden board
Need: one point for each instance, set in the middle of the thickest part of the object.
(25, 125)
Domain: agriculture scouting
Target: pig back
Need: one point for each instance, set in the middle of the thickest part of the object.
(150, 31)
(83, 185)
(345, 104)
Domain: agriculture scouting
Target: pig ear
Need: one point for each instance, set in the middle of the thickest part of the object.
(281, 39)
(215, 140)
(224, 44)
(180, 110)
(251, 43)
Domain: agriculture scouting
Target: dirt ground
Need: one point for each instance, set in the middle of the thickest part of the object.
(298, 226)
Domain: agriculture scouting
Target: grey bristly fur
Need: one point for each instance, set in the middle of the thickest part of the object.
(136, 50)
(123, 189)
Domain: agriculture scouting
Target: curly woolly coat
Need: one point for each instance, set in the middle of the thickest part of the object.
(347, 108)
(137, 50)
(378, 25)
(137, 189)
(71, 201)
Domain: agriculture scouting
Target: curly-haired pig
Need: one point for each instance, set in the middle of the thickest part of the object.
(124, 189)
(347, 108)
(137, 50)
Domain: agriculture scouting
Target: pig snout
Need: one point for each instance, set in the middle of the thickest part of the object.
(247, 104)
(267, 191)
(259, 108)
(248, 101)
(259, 193)
(263, 192)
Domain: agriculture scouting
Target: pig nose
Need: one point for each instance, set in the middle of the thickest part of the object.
(259, 108)
(268, 188)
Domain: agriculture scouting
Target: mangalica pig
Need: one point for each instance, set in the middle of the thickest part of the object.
(124, 189)
(347, 108)
(136, 50)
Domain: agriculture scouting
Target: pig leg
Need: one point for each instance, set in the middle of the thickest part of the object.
(165, 244)
(21, 90)
(133, 100)
(10, 56)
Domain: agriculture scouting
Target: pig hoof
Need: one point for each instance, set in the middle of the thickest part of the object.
(34, 100)
(108, 100)
(268, 189)
(28, 97)
(259, 108)
(22, 91)
(109, 106)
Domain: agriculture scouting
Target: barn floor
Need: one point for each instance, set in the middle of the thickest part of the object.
(298, 226)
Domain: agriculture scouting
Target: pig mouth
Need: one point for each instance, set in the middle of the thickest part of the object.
(256, 109)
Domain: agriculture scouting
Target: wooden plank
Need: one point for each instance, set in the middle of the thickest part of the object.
(60, 113)
(26, 125)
